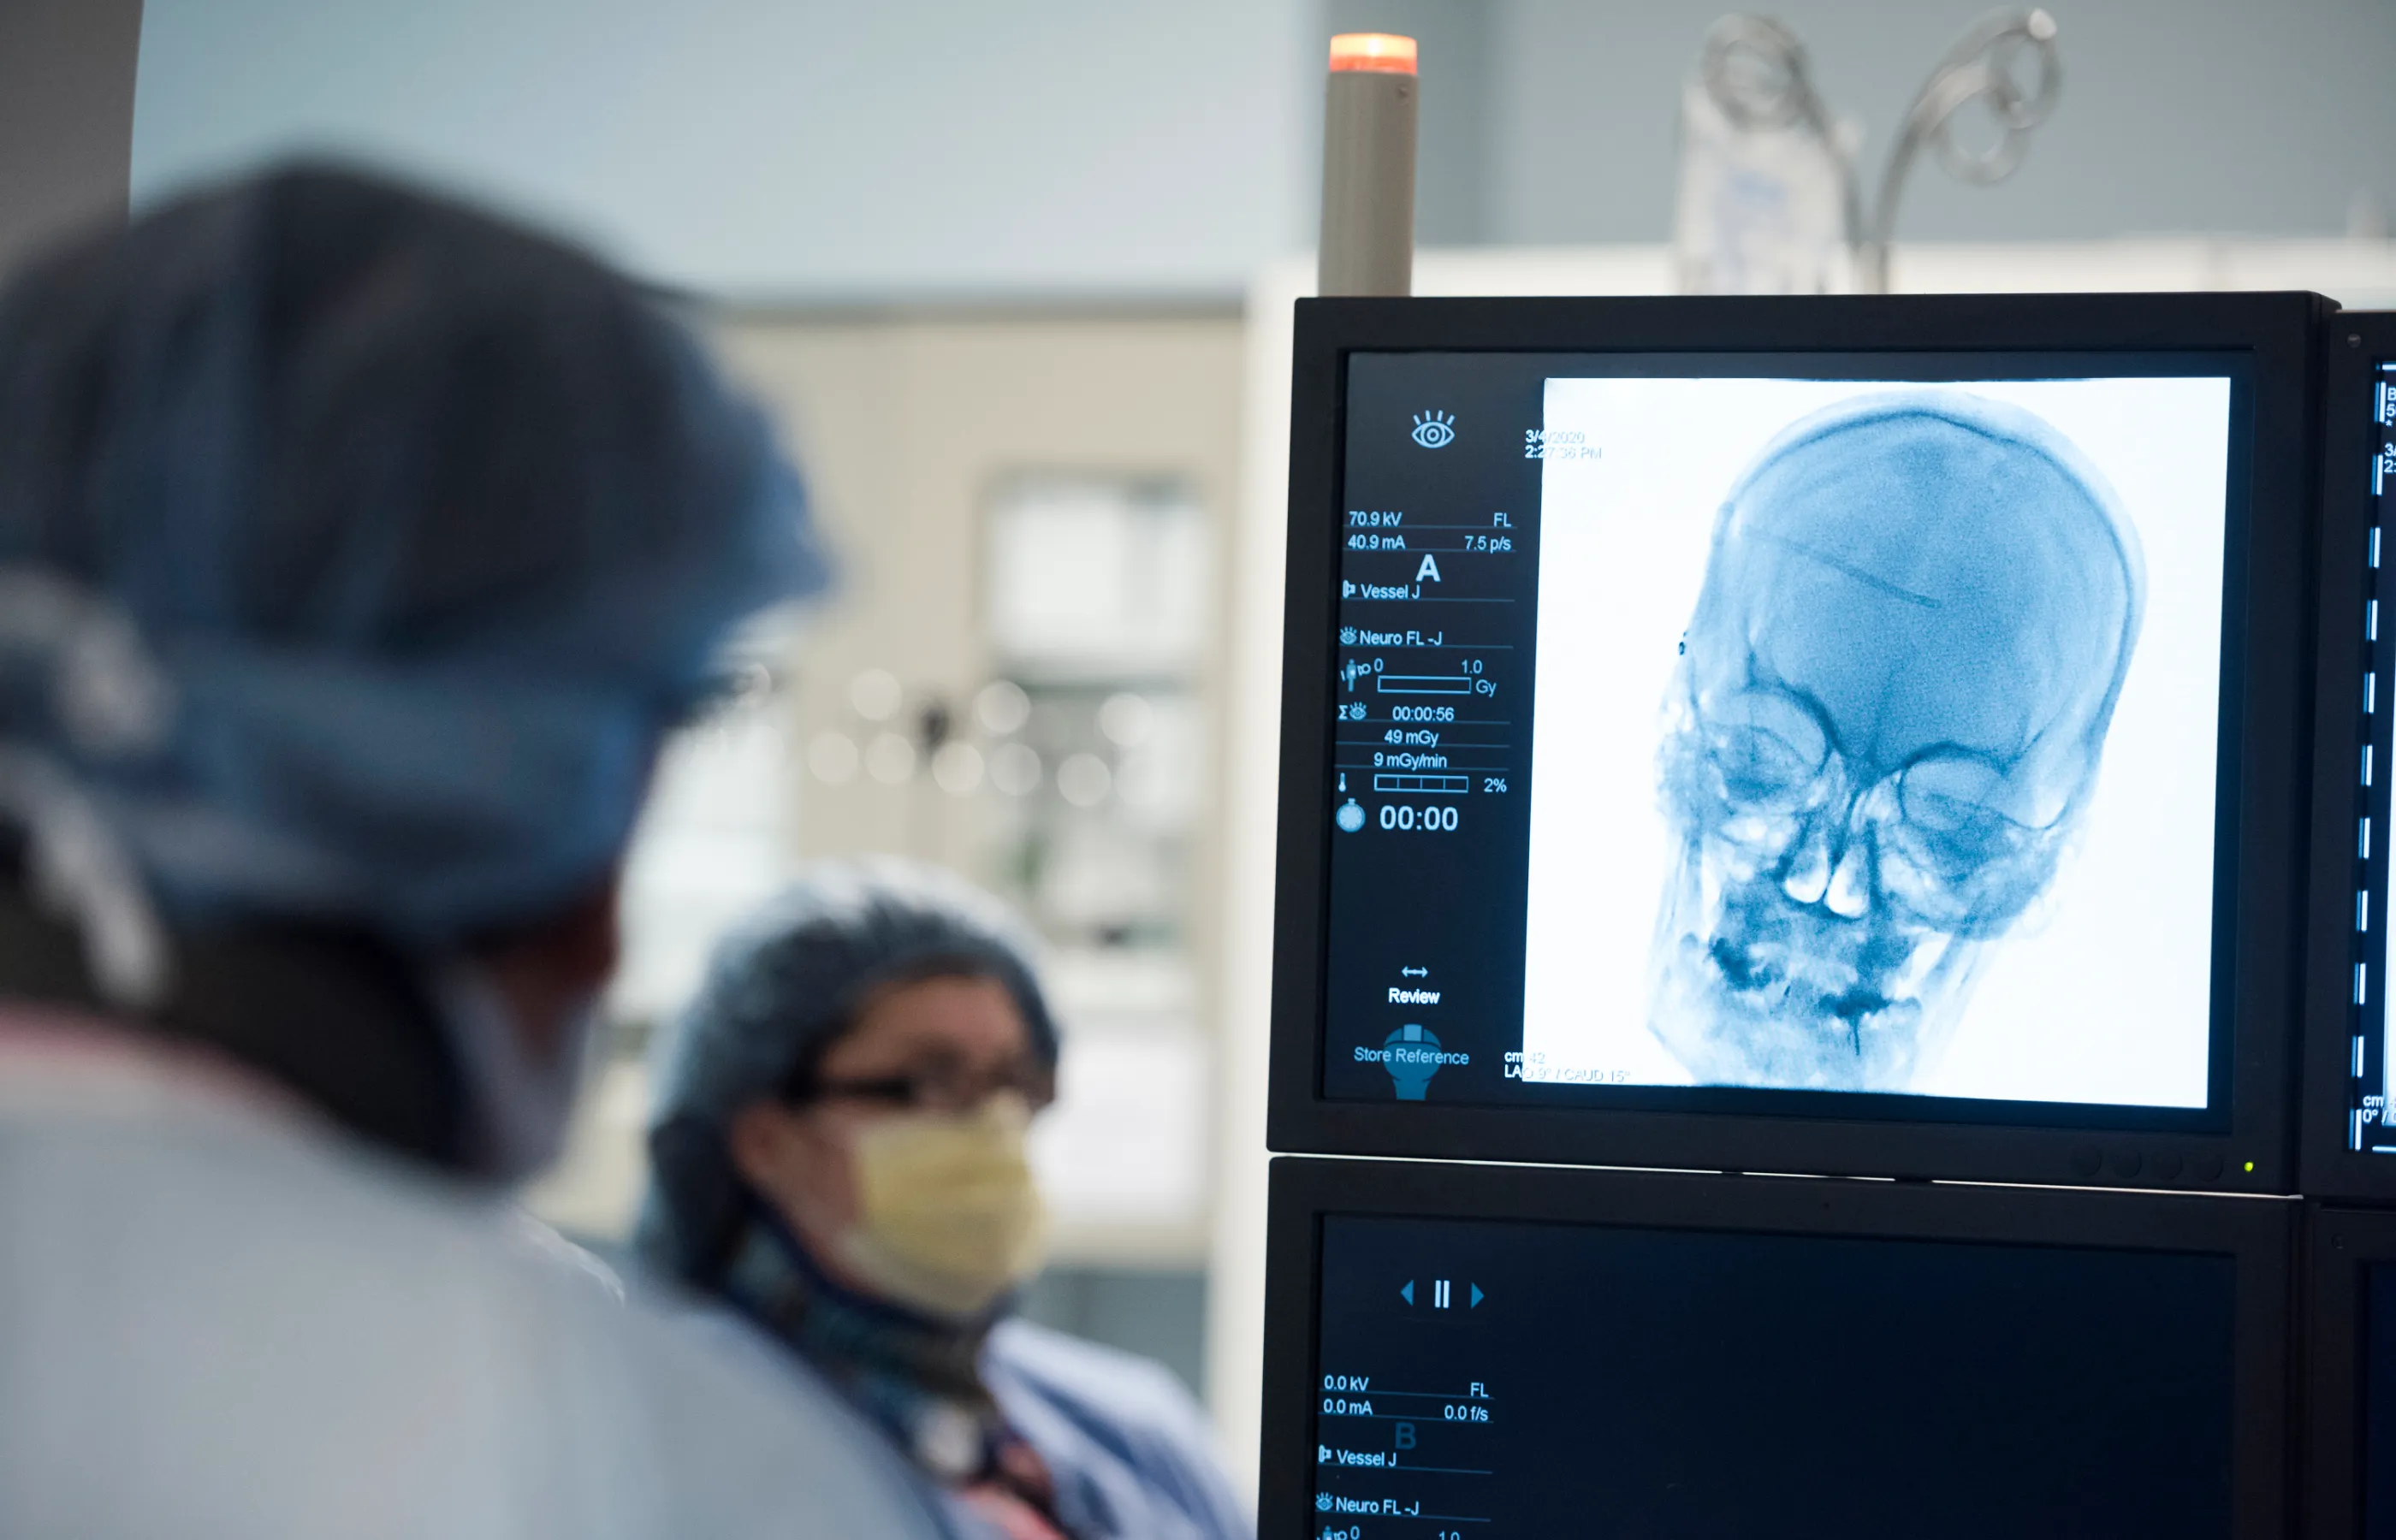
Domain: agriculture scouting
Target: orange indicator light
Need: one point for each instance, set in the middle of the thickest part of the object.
(1378, 53)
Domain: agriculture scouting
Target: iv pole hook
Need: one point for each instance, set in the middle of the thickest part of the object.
(1983, 66)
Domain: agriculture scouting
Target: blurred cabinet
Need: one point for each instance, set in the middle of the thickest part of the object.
(1015, 676)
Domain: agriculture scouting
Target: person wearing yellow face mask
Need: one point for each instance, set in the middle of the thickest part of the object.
(839, 1152)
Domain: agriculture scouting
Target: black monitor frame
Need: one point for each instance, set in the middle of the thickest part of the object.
(2258, 1232)
(2281, 333)
(2339, 1245)
(2357, 343)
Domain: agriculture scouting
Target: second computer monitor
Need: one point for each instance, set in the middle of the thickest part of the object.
(1457, 1350)
(2348, 1138)
(2347, 1372)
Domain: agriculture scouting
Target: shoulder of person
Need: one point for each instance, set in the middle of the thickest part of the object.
(300, 1291)
(1076, 1369)
(1119, 1397)
(1120, 1402)
(687, 1412)
(750, 1438)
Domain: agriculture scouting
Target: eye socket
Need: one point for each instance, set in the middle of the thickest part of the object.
(1950, 791)
(1951, 851)
(1954, 808)
(1767, 748)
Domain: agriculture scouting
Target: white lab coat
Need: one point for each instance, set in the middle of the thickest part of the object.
(223, 1320)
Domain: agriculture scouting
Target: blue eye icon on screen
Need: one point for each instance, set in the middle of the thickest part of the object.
(1434, 429)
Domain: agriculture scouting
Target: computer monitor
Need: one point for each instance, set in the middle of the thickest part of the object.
(1859, 736)
(1466, 1351)
(2348, 1139)
(2347, 1365)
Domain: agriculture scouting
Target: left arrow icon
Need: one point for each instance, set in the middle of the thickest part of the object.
(1407, 1294)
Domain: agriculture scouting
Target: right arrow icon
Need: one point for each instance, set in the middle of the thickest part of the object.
(1477, 1295)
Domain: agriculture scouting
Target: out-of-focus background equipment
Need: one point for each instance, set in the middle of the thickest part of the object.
(1369, 115)
(1767, 188)
(1769, 201)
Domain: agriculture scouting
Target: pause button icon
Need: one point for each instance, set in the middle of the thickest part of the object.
(1439, 1294)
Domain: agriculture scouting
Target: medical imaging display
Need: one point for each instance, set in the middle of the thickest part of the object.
(2377, 1453)
(1917, 613)
(1711, 727)
(2374, 1064)
(1509, 1378)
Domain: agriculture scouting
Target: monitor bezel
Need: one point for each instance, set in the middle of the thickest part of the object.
(2279, 331)
(2258, 1232)
(2339, 1244)
(2329, 1168)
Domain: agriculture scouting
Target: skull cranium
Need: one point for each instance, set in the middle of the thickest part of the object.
(1915, 621)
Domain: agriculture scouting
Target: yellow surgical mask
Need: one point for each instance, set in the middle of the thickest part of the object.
(947, 1215)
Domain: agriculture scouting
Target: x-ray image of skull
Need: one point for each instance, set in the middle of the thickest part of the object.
(1916, 617)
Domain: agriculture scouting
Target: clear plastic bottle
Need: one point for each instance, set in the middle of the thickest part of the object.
(1766, 194)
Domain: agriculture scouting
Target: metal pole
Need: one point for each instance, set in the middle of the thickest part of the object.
(1368, 167)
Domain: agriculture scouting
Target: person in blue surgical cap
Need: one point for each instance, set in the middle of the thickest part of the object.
(357, 550)
(838, 1151)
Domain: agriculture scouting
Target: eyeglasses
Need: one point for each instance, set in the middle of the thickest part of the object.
(944, 1089)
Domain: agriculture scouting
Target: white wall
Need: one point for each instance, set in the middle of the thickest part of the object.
(911, 148)
(768, 148)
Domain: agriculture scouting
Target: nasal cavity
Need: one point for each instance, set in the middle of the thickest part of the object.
(1850, 890)
(1808, 874)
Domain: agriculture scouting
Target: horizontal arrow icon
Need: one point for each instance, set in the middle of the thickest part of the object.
(1407, 1294)
(1477, 1295)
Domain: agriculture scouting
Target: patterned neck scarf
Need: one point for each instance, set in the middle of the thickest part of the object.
(918, 1378)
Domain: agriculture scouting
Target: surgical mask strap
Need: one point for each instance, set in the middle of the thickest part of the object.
(520, 1103)
(77, 869)
(110, 700)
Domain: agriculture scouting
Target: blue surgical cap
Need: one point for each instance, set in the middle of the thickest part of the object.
(357, 550)
(778, 991)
